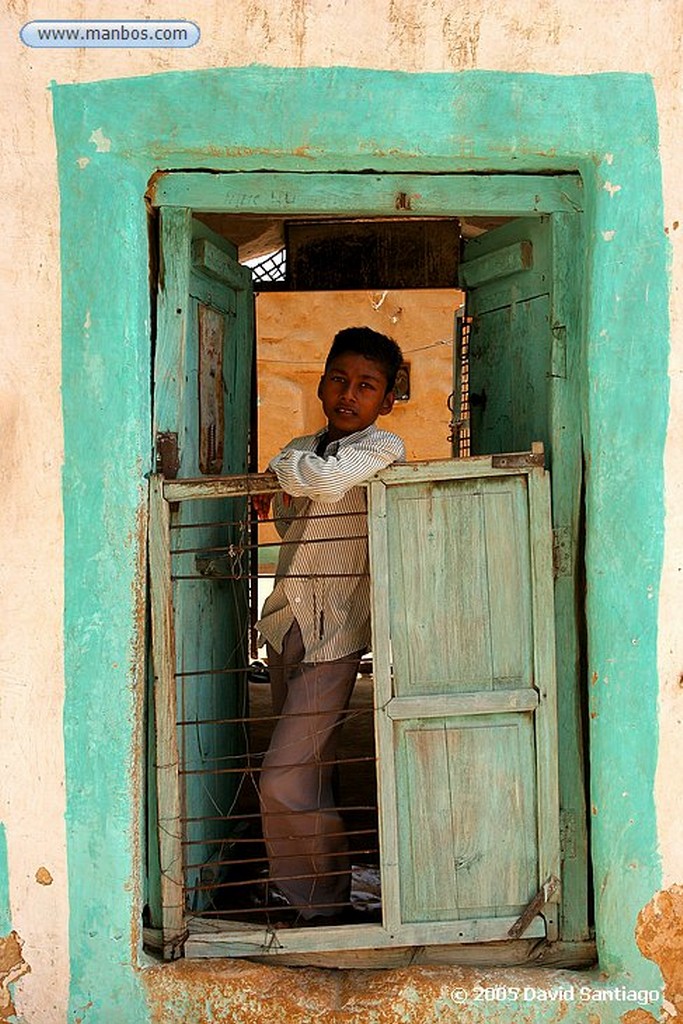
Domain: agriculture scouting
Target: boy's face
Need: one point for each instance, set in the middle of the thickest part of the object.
(353, 392)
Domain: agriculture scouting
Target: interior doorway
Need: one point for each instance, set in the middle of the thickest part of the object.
(295, 323)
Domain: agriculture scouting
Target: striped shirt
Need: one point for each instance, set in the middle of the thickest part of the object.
(322, 576)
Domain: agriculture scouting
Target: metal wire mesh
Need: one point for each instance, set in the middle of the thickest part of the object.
(225, 721)
(270, 268)
(464, 432)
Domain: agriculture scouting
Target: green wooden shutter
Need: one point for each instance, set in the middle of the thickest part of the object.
(466, 719)
(523, 286)
(507, 274)
(202, 392)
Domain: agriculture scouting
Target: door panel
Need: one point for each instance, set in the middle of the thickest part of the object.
(485, 634)
(465, 676)
(461, 857)
(507, 275)
(524, 298)
(202, 385)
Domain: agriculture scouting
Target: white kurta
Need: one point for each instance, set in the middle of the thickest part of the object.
(322, 577)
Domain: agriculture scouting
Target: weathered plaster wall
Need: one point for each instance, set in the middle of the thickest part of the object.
(553, 36)
(224, 119)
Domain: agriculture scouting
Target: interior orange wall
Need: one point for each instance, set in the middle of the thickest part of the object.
(295, 330)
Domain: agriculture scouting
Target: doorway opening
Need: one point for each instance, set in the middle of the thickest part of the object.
(302, 298)
(294, 327)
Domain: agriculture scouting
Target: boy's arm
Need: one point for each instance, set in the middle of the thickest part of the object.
(305, 474)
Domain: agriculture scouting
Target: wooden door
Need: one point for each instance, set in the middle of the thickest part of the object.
(507, 277)
(523, 301)
(202, 393)
(466, 719)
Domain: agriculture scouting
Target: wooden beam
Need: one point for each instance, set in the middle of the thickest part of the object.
(525, 952)
(225, 938)
(194, 489)
(220, 486)
(490, 702)
(492, 955)
(545, 678)
(358, 195)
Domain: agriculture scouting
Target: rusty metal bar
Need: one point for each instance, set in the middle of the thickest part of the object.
(272, 814)
(345, 713)
(252, 840)
(272, 576)
(260, 522)
(231, 862)
(253, 768)
(269, 911)
(261, 881)
(238, 549)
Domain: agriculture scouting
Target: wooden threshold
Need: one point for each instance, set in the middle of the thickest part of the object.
(522, 953)
(210, 937)
(371, 947)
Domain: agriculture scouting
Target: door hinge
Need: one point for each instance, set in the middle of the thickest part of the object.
(568, 833)
(558, 353)
(167, 455)
(562, 551)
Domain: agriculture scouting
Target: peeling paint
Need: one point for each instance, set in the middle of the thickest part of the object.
(659, 934)
(213, 991)
(462, 38)
(608, 235)
(612, 189)
(102, 143)
(83, 161)
(12, 967)
(138, 656)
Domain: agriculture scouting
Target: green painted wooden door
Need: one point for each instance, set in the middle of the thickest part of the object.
(507, 276)
(202, 393)
(466, 720)
(523, 297)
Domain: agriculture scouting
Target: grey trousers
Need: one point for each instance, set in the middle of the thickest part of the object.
(304, 833)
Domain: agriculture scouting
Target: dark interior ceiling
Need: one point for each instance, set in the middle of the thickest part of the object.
(257, 236)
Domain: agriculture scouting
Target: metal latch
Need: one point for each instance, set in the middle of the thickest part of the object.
(562, 551)
(168, 455)
(534, 907)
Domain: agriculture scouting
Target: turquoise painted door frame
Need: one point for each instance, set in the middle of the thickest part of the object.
(342, 119)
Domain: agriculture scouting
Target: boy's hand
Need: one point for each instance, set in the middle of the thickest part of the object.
(261, 504)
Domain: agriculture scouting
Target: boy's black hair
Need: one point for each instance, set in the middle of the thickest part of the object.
(380, 348)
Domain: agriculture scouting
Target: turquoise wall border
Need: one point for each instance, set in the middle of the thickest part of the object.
(604, 126)
(5, 909)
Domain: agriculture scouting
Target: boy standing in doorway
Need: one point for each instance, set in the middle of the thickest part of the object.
(316, 623)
